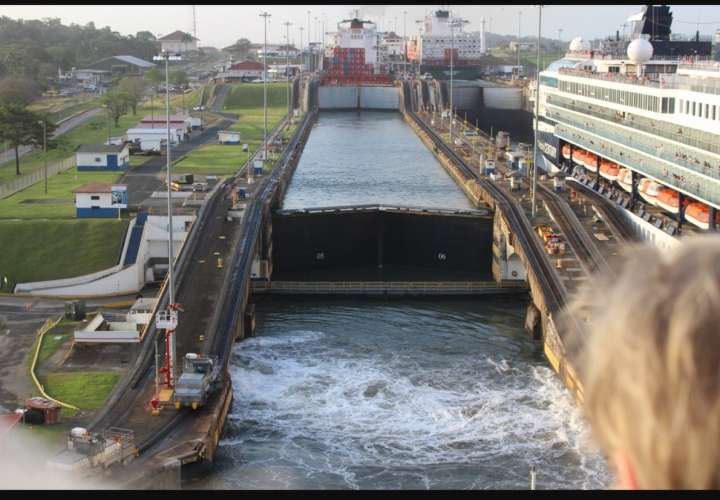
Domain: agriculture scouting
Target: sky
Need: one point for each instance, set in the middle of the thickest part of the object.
(221, 25)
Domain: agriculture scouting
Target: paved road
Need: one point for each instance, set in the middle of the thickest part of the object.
(65, 126)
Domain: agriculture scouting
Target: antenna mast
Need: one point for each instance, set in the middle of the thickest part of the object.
(194, 14)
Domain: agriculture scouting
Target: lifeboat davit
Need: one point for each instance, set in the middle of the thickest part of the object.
(566, 151)
(590, 162)
(624, 179)
(669, 199)
(649, 190)
(698, 214)
(609, 170)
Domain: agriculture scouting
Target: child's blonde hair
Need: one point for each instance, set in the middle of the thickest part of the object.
(650, 364)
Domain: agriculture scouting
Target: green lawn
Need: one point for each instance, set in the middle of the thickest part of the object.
(86, 390)
(246, 100)
(37, 250)
(58, 203)
(217, 159)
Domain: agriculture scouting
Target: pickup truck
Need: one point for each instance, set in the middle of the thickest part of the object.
(197, 381)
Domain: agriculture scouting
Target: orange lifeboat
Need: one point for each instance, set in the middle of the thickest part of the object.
(624, 178)
(566, 151)
(578, 157)
(698, 214)
(591, 162)
(609, 170)
(649, 190)
(669, 200)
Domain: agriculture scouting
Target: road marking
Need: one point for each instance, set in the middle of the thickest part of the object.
(221, 237)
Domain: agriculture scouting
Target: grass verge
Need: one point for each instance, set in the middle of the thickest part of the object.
(45, 250)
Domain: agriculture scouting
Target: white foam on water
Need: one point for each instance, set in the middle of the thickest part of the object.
(334, 412)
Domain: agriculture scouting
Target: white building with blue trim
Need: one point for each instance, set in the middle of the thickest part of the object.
(99, 199)
(102, 157)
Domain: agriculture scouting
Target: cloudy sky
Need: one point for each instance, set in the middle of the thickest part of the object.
(221, 25)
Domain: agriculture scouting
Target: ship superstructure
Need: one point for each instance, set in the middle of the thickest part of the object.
(645, 121)
(352, 54)
(434, 43)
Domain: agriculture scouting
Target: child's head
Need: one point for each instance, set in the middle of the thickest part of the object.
(650, 365)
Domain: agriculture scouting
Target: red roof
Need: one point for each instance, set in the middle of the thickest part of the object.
(96, 187)
(247, 64)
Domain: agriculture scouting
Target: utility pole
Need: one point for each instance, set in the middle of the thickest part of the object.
(287, 66)
(302, 51)
(167, 320)
(518, 42)
(537, 111)
(405, 60)
(265, 15)
(452, 58)
(560, 30)
(44, 124)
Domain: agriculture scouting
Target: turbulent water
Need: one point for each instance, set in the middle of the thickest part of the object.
(356, 158)
(441, 393)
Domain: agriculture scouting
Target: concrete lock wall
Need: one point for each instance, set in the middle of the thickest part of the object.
(347, 97)
(368, 239)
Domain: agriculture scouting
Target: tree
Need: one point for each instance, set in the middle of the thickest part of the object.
(20, 91)
(135, 90)
(19, 126)
(116, 103)
(154, 78)
(178, 77)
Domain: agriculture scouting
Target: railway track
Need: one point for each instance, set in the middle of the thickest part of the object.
(610, 212)
(587, 252)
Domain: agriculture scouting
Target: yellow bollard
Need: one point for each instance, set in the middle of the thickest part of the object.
(219, 263)
(558, 264)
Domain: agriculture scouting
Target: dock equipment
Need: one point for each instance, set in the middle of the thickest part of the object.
(87, 450)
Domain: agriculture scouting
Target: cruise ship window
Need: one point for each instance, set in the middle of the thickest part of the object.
(707, 111)
(693, 109)
(713, 111)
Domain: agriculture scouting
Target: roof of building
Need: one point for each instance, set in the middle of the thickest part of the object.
(178, 36)
(163, 119)
(100, 148)
(96, 187)
(247, 64)
(135, 61)
(159, 126)
(41, 403)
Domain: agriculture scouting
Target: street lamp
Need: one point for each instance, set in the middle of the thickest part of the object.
(537, 112)
(265, 15)
(167, 57)
(287, 64)
(44, 125)
(518, 43)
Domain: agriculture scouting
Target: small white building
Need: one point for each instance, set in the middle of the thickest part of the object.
(152, 139)
(99, 199)
(108, 328)
(178, 42)
(228, 137)
(102, 157)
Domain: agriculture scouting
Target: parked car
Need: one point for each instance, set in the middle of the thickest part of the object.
(427, 76)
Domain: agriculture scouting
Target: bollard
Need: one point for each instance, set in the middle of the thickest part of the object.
(219, 263)
(558, 264)
(532, 478)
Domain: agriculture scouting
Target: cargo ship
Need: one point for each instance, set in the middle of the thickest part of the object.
(351, 57)
(640, 113)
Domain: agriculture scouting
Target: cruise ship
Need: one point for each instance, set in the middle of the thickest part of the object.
(638, 119)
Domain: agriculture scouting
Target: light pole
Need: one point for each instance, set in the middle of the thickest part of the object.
(537, 112)
(404, 43)
(265, 15)
(518, 43)
(287, 65)
(44, 124)
(169, 323)
(302, 51)
(452, 58)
